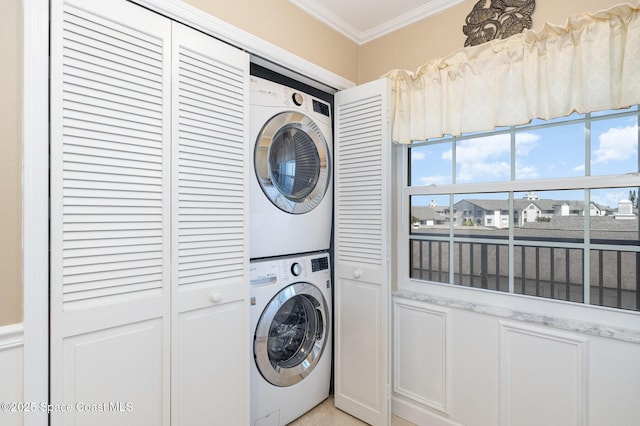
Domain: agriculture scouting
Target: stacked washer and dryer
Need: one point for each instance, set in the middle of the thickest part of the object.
(290, 236)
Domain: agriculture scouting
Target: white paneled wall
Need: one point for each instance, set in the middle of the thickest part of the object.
(457, 366)
(11, 374)
(542, 372)
(422, 336)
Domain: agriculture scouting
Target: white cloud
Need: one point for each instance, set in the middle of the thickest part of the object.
(482, 149)
(617, 144)
(610, 197)
(417, 155)
(470, 171)
(525, 143)
(488, 158)
(527, 172)
(481, 158)
(434, 180)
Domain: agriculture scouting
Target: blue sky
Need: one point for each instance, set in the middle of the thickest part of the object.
(553, 152)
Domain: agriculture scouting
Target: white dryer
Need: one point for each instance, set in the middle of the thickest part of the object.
(290, 322)
(291, 188)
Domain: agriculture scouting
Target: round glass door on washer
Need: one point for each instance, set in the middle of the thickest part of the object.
(292, 162)
(291, 334)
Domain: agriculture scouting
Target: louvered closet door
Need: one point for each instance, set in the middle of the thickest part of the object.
(110, 213)
(362, 252)
(210, 356)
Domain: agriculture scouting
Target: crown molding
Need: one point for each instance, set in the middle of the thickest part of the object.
(329, 18)
(270, 55)
(319, 12)
(408, 18)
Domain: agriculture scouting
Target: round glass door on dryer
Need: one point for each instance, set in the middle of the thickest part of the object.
(291, 334)
(292, 162)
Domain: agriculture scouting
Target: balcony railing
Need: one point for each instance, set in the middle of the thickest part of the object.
(549, 272)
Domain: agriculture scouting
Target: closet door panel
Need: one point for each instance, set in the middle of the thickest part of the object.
(209, 375)
(362, 252)
(110, 212)
(210, 352)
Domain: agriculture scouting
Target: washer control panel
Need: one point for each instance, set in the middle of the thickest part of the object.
(319, 264)
(263, 273)
(284, 269)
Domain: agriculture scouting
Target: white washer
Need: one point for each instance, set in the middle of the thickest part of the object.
(291, 328)
(291, 187)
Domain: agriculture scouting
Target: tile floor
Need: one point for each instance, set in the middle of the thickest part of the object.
(326, 414)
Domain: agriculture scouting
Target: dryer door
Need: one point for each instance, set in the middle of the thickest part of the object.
(291, 334)
(292, 162)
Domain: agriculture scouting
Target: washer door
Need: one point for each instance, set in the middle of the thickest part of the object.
(291, 334)
(292, 162)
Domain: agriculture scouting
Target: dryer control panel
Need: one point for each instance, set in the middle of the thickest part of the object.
(268, 93)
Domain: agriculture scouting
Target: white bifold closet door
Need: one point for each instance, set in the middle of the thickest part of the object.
(362, 252)
(110, 214)
(148, 212)
(210, 321)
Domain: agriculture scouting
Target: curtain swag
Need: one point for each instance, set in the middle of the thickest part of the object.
(590, 64)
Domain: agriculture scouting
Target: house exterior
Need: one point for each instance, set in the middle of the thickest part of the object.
(527, 211)
(429, 216)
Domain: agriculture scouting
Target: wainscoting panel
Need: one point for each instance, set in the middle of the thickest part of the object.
(467, 362)
(543, 376)
(11, 374)
(421, 355)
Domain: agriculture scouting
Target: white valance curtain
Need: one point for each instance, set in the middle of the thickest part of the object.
(590, 64)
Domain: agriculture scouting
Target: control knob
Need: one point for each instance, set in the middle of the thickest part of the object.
(296, 269)
(297, 98)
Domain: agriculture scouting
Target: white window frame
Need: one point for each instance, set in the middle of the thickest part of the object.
(492, 299)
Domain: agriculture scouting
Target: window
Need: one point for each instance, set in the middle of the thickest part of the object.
(547, 209)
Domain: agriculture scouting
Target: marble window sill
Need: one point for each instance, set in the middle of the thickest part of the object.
(584, 327)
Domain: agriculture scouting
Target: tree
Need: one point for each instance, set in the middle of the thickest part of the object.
(633, 198)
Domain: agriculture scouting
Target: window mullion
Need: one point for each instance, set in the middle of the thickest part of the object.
(587, 213)
(587, 248)
(511, 248)
(452, 257)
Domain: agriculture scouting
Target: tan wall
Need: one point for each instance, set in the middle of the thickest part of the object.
(276, 21)
(282, 23)
(11, 167)
(441, 34)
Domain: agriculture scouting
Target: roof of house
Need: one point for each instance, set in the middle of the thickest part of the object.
(488, 204)
(541, 204)
(428, 213)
